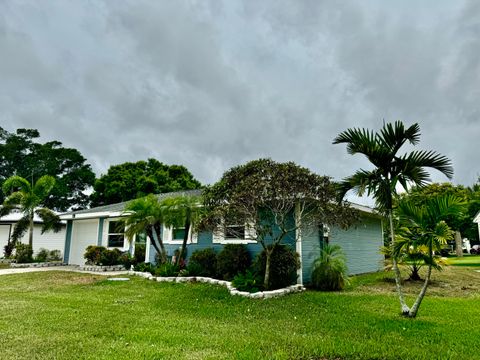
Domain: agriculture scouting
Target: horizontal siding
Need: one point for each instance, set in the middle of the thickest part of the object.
(49, 240)
(361, 244)
(311, 245)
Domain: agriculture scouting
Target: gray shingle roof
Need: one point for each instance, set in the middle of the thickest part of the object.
(118, 207)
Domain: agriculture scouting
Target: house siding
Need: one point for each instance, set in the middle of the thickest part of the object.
(311, 242)
(361, 244)
(49, 240)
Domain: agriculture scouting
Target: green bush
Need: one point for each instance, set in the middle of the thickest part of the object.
(194, 269)
(139, 255)
(93, 254)
(55, 255)
(205, 261)
(42, 255)
(284, 263)
(23, 253)
(234, 259)
(111, 257)
(329, 270)
(144, 267)
(167, 269)
(100, 255)
(247, 281)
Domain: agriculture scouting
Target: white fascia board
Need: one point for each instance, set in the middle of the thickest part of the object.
(94, 215)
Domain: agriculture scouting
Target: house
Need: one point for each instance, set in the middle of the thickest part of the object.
(49, 240)
(99, 226)
(476, 219)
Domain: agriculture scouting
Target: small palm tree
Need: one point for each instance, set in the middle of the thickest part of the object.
(27, 199)
(390, 170)
(144, 215)
(183, 211)
(429, 228)
(330, 271)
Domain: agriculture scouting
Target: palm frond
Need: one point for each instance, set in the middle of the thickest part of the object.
(393, 136)
(429, 159)
(20, 228)
(15, 183)
(6, 209)
(51, 221)
(43, 186)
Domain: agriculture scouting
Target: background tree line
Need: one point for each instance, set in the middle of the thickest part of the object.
(22, 154)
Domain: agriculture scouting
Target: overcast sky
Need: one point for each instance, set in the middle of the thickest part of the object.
(214, 84)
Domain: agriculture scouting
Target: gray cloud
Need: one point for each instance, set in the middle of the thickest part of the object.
(213, 84)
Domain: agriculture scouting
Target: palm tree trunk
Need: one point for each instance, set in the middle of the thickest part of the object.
(158, 238)
(30, 235)
(413, 311)
(398, 279)
(184, 243)
(458, 244)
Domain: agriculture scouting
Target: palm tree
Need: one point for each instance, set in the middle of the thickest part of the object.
(429, 228)
(144, 215)
(182, 211)
(390, 170)
(27, 199)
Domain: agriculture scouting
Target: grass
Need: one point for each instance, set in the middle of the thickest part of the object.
(62, 315)
(466, 260)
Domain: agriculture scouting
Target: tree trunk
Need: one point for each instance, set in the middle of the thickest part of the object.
(458, 243)
(398, 279)
(413, 311)
(184, 243)
(266, 280)
(30, 235)
(415, 276)
(152, 234)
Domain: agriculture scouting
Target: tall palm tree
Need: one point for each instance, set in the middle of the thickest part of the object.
(144, 215)
(391, 169)
(431, 231)
(27, 199)
(183, 211)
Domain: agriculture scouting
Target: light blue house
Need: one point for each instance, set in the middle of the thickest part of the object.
(99, 226)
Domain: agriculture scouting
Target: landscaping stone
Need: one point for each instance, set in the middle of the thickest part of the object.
(36, 265)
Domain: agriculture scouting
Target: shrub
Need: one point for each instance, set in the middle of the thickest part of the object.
(206, 262)
(42, 255)
(193, 269)
(329, 270)
(55, 255)
(99, 255)
(144, 267)
(23, 253)
(8, 249)
(127, 260)
(111, 257)
(284, 263)
(232, 260)
(247, 282)
(167, 269)
(93, 254)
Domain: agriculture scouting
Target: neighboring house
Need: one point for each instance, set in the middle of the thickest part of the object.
(476, 219)
(49, 240)
(99, 226)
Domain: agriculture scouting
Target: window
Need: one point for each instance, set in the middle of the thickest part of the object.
(233, 232)
(115, 234)
(178, 233)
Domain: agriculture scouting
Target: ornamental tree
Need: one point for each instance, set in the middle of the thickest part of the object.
(268, 200)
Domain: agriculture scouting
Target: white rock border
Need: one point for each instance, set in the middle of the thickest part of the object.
(227, 284)
(37, 265)
(98, 268)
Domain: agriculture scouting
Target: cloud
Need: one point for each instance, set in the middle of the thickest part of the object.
(213, 84)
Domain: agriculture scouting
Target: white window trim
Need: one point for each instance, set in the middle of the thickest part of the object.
(106, 225)
(250, 235)
(167, 236)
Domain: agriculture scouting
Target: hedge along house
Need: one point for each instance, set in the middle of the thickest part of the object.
(48, 240)
(99, 226)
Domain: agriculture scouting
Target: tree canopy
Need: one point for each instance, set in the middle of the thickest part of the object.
(274, 200)
(460, 221)
(21, 154)
(133, 180)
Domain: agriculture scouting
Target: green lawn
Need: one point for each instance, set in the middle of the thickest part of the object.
(466, 260)
(59, 315)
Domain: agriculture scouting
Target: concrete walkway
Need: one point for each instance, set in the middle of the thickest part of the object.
(11, 271)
